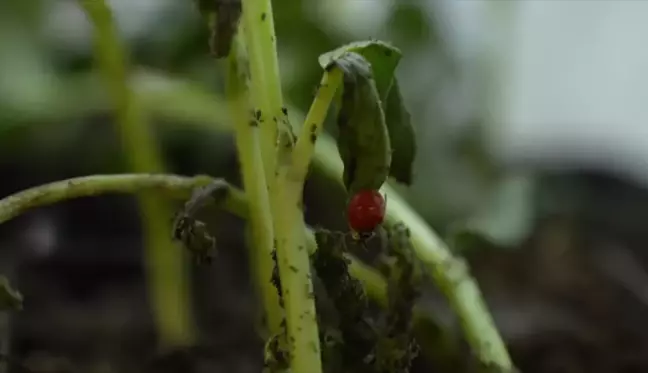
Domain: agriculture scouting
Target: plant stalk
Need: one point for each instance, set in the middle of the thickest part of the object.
(248, 138)
(168, 282)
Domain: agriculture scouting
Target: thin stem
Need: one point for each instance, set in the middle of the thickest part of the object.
(179, 187)
(314, 122)
(254, 181)
(169, 285)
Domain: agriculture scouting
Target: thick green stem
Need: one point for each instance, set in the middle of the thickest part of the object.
(254, 181)
(286, 191)
(293, 259)
(260, 40)
(169, 286)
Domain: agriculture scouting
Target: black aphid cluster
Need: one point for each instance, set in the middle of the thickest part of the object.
(361, 342)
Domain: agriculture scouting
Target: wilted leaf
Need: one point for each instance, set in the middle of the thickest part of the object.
(382, 57)
(363, 139)
(401, 136)
(10, 299)
(193, 233)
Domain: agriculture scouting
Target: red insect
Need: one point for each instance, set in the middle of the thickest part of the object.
(366, 211)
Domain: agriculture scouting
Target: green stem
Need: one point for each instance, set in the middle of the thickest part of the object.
(260, 40)
(294, 270)
(254, 181)
(292, 258)
(170, 186)
(169, 286)
(314, 123)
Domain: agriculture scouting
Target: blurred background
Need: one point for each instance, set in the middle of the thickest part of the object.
(530, 118)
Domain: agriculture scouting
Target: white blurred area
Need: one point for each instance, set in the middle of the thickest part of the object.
(570, 79)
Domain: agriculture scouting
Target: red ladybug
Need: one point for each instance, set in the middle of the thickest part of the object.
(366, 211)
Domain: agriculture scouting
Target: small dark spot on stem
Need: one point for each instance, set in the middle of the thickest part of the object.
(313, 135)
(294, 269)
(263, 16)
(284, 110)
(257, 114)
(253, 123)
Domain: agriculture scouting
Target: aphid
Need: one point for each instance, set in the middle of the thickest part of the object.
(365, 212)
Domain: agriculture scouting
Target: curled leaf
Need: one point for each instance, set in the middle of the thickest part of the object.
(401, 136)
(194, 234)
(363, 139)
(10, 299)
(382, 57)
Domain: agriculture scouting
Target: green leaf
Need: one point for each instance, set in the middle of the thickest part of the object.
(401, 136)
(363, 139)
(10, 299)
(382, 57)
